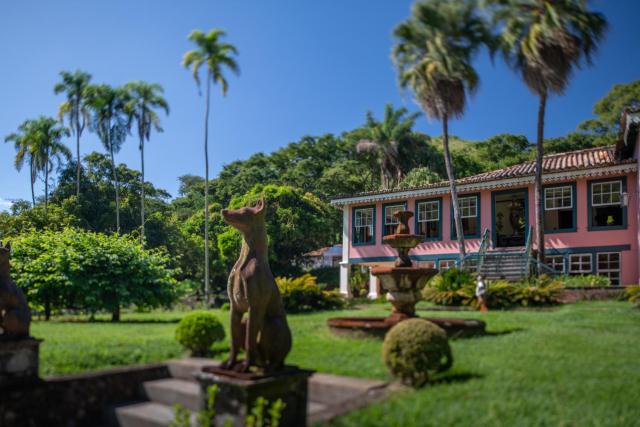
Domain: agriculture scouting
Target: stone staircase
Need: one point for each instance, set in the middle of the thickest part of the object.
(509, 265)
(329, 396)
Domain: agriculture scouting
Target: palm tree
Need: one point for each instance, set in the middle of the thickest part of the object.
(48, 150)
(144, 99)
(110, 122)
(74, 108)
(545, 41)
(433, 55)
(24, 141)
(217, 56)
(384, 139)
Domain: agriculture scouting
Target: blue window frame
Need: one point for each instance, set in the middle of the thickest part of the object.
(469, 207)
(389, 222)
(363, 230)
(606, 204)
(560, 208)
(428, 218)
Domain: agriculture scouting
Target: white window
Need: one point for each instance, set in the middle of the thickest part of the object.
(446, 263)
(468, 207)
(558, 198)
(580, 264)
(363, 225)
(609, 265)
(606, 193)
(390, 221)
(555, 262)
(429, 219)
(606, 204)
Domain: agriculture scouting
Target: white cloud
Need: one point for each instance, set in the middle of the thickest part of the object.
(5, 204)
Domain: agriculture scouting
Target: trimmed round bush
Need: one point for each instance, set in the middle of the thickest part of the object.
(197, 331)
(414, 349)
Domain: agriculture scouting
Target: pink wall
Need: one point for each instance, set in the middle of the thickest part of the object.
(581, 238)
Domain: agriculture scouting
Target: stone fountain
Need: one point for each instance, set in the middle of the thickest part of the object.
(403, 283)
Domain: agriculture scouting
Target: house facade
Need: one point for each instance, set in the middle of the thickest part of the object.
(591, 214)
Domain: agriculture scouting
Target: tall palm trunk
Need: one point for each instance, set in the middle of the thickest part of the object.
(78, 159)
(206, 193)
(142, 190)
(452, 186)
(46, 184)
(32, 179)
(115, 179)
(538, 179)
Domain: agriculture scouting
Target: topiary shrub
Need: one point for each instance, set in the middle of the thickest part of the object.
(197, 331)
(414, 349)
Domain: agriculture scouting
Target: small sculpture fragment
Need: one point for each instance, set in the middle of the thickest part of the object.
(15, 316)
(265, 335)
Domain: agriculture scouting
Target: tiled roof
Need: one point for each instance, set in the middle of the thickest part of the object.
(589, 158)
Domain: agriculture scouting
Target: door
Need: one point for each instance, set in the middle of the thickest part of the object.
(510, 218)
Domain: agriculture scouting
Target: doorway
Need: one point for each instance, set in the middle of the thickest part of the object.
(510, 218)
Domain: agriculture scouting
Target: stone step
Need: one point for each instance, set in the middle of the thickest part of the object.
(147, 414)
(333, 389)
(185, 368)
(173, 391)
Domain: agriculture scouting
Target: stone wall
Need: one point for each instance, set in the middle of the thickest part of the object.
(75, 400)
(571, 295)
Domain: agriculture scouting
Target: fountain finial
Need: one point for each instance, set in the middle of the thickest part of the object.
(403, 225)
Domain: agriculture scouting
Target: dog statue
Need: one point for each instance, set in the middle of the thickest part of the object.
(264, 335)
(15, 316)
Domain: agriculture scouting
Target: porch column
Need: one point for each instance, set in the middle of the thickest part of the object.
(345, 268)
(373, 286)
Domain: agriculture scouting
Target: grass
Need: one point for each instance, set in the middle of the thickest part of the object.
(575, 365)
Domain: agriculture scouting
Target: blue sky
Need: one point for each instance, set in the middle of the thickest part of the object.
(308, 68)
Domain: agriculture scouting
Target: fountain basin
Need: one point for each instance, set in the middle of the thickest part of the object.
(377, 327)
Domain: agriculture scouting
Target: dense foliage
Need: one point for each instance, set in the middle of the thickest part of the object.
(81, 270)
(198, 331)
(457, 287)
(414, 349)
(303, 294)
(586, 281)
(296, 222)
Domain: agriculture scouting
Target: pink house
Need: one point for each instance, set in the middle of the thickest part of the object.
(591, 214)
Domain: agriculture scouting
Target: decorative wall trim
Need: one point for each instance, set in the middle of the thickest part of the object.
(489, 185)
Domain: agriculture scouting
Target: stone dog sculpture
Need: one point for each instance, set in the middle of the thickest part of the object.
(15, 315)
(264, 335)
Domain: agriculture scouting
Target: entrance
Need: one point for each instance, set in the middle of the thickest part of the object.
(510, 218)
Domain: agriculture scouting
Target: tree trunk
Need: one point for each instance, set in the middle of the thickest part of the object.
(206, 193)
(31, 177)
(46, 184)
(47, 309)
(78, 159)
(452, 187)
(538, 179)
(142, 190)
(115, 314)
(115, 182)
(383, 177)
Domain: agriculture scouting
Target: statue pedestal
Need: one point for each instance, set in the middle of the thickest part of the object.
(18, 361)
(237, 393)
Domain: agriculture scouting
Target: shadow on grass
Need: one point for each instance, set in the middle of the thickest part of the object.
(455, 377)
(120, 322)
(502, 332)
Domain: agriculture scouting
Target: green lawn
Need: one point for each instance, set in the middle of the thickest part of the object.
(577, 365)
